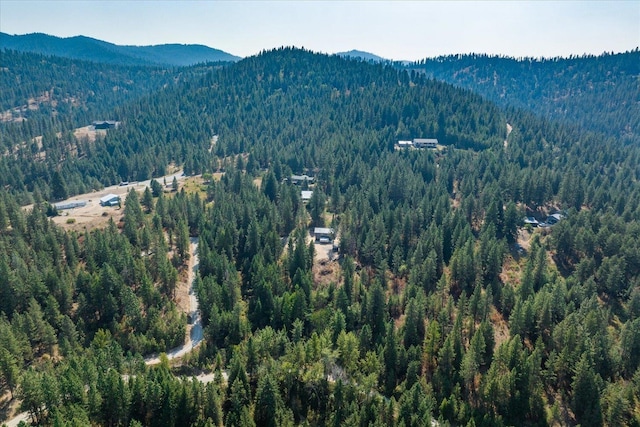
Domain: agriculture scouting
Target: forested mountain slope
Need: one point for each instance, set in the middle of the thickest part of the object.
(442, 305)
(72, 90)
(89, 49)
(599, 93)
(44, 99)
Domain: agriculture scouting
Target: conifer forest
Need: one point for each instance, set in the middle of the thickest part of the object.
(491, 281)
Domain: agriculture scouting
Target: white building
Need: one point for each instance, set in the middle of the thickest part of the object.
(425, 143)
(306, 195)
(404, 144)
(323, 235)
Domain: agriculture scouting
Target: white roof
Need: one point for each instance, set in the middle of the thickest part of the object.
(108, 197)
(306, 194)
(301, 178)
(322, 230)
(425, 140)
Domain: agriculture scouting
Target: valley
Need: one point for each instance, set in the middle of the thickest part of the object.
(304, 268)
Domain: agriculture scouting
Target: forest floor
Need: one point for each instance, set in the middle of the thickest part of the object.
(500, 327)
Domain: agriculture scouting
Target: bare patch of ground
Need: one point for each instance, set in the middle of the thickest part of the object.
(90, 217)
(500, 327)
(93, 215)
(506, 140)
(326, 272)
(88, 132)
(326, 268)
(214, 141)
(524, 239)
(511, 272)
(323, 252)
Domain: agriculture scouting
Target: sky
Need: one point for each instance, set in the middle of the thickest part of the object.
(400, 30)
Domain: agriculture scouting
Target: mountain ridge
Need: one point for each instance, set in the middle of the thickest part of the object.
(90, 49)
(359, 54)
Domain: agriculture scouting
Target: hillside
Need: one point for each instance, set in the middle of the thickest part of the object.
(598, 93)
(89, 49)
(38, 87)
(437, 304)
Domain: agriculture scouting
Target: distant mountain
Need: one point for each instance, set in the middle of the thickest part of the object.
(365, 56)
(89, 49)
(598, 93)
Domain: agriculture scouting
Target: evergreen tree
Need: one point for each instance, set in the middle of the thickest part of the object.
(268, 402)
(58, 186)
(586, 396)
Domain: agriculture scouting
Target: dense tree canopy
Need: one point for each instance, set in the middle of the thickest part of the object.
(442, 305)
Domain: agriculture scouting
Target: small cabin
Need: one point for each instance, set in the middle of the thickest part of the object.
(104, 124)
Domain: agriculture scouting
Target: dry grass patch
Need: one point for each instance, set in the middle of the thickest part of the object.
(500, 327)
(326, 272)
(90, 217)
(195, 185)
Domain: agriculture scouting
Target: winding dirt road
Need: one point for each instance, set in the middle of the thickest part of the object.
(194, 334)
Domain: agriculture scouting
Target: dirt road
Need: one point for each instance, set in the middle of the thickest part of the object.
(13, 422)
(194, 334)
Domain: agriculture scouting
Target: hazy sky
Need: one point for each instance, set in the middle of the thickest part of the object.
(392, 29)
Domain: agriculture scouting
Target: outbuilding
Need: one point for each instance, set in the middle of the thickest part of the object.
(110, 200)
(306, 195)
(404, 144)
(104, 124)
(301, 179)
(554, 218)
(431, 143)
(70, 205)
(323, 235)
